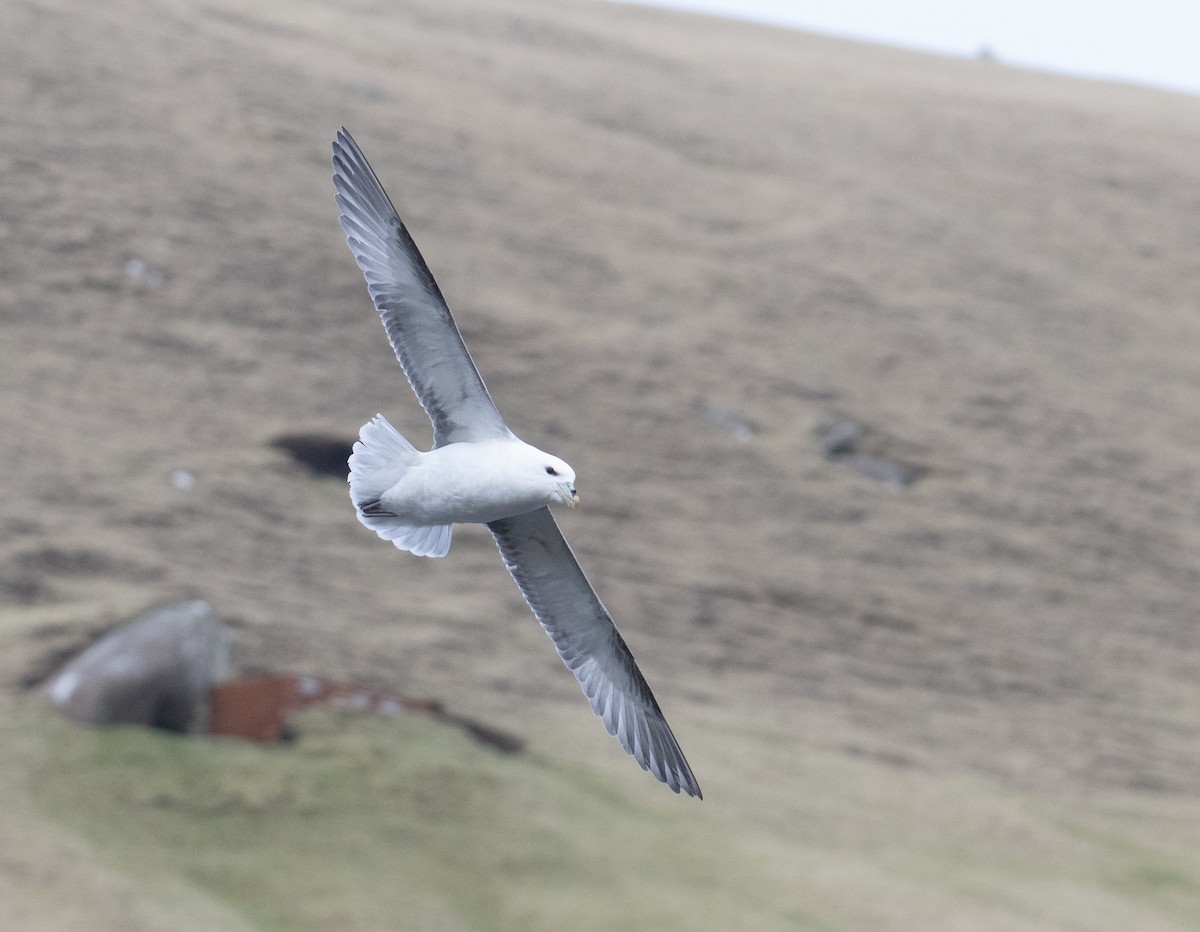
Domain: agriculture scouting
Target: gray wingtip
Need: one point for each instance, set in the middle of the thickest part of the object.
(343, 146)
(591, 647)
(642, 731)
(664, 759)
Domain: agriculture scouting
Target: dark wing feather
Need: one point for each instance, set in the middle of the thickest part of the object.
(589, 643)
(418, 322)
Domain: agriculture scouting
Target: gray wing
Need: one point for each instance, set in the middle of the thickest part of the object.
(418, 322)
(589, 643)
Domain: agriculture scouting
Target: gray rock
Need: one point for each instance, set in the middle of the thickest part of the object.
(156, 671)
(145, 274)
(842, 439)
(838, 435)
(881, 469)
(728, 420)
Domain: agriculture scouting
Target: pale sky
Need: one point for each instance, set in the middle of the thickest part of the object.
(1153, 42)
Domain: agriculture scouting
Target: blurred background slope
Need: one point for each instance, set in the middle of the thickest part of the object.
(972, 703)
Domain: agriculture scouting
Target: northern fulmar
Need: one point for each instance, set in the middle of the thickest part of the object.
(480, 472)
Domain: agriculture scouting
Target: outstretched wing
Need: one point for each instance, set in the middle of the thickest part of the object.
(589, 643)
(418, 322)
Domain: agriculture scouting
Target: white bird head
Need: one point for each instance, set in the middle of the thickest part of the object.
(552, 475)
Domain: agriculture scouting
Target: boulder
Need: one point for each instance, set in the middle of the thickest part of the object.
(155, 671)
(842, 440)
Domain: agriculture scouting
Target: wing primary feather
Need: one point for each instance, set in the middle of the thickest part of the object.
(415, 316)
(566, 605)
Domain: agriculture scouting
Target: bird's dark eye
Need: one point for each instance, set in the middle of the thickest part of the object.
(551, 471)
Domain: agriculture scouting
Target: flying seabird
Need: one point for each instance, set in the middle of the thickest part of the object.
(479, 471)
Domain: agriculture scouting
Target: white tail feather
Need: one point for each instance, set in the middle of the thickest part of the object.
(380, 458)
(422, 540)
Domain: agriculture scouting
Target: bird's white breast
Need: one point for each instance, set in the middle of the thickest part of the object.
(464, 483)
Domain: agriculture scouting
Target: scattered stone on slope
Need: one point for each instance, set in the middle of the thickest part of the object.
(841, 439)
(156, 671)
(837, 435)
(144, 273)
(881, 469)
(170, 669)
(731, 422)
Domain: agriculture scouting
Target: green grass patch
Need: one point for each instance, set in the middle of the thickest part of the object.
(363, 821)
(370, 824)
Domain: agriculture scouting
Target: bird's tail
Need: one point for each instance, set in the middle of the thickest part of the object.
(380, 458)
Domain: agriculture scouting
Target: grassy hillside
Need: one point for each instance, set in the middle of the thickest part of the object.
(370, 825)
(972, 703)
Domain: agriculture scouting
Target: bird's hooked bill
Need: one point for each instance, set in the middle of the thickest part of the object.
(570, 496)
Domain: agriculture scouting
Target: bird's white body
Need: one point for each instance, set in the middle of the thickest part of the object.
(413, 499)
(467, 483)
